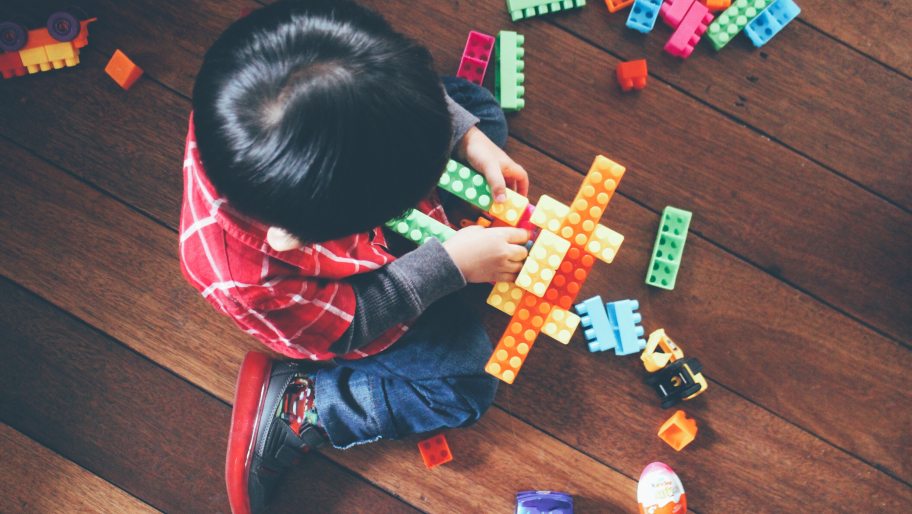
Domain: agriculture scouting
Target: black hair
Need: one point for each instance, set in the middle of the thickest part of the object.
(317, 117)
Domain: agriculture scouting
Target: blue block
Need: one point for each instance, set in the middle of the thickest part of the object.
(594, 319)
(624, 323)
(769, 22)
(643, 15)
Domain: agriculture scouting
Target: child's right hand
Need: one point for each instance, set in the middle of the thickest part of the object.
(488, 254)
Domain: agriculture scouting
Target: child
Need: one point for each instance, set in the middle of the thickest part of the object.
(314, 123)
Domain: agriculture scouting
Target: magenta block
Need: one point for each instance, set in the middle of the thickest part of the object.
(475, 57)
(673, 11)
(689, 31)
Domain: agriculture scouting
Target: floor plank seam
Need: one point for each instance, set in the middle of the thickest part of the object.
(852, 48)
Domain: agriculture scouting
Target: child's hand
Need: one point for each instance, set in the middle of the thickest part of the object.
(500, 170)
(488, 254)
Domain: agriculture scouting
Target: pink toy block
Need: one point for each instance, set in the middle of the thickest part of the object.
(475, 57)
(689, 31)
(673, 11)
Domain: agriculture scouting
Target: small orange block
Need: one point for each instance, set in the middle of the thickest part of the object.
(435, 451)
(632, 75)
(716, 5)
(678, 431)
(617, 5)
(122, 70)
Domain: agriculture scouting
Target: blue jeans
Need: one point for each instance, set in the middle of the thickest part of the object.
(433, 376)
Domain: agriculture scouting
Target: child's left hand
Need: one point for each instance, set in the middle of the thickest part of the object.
(500, 170)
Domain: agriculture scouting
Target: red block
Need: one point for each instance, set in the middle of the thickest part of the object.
(689, 31)
(673, 11)
(435, 451)
(475, 57)
(632, 75)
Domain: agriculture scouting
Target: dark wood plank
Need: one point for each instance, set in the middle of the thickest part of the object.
(34, 479)
(134, 424)
(110, 229)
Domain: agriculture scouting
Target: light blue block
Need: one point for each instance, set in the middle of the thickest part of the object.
(768, 23)
(625, 325)
(594, 320)
(643, 15)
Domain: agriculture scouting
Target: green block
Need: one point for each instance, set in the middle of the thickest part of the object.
(507, 67)
(669, 245)
(733, 20)
(419, 227)
(520, 9)
(467, 184)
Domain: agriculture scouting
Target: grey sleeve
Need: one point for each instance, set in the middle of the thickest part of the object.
(463, 120)
(398, 292)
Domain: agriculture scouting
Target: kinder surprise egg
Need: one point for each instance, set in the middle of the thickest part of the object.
(660, 491)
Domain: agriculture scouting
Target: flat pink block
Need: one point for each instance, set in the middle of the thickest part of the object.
(673, 11)
(475, 57)
(689, 31)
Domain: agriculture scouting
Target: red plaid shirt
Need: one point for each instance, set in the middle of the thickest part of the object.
(296, 302)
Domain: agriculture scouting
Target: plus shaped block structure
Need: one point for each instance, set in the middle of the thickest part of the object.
(733, 20)
(666, 254)
(688, 33)
(435, 451)
(768, 23)
(632, 75)
(643, 15)
(475, 57)
(520, 9)
(508, 77)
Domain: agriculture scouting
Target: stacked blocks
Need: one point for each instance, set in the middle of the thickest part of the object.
(604, 243)
(673, 11)
(594, 319)
(467, 184)
(520, 9)
(505, 297)
(617, 5)
(561, 324)
(768, 23)
(419, 227)
(733, 20)
(545, 257)
(475, 57)
(678, 431)
(655, 361)
(624, 323)
(516, 342)
(569, 277)
(507, 71)
(512, 210)
(39, 50)
(122, 70)
(632, 74)
(643, 15)
(591, 200)
(666, 254)
(435, 451)
(689, 31)
(716, 5)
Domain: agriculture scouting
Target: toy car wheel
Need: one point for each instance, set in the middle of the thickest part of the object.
(13, 36)
(63, 26)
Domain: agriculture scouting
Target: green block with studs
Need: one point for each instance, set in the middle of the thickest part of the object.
(508, 66)
(419, 227)
(467, 184)
(669, 245)
(733, 20)
(520, 9)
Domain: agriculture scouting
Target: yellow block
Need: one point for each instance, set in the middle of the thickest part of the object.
(604, 243)
(60, 51)
(549, 214)
(33, 56)
(505, 297)
(561, 324)
(546, 255)
(512, 210)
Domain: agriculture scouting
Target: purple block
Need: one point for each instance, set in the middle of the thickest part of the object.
(689, 31)
(673, 11)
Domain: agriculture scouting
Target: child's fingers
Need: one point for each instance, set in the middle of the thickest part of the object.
(506, 277)
(519, 177)
(512, 266)
(517, 253)
(516, 236)
(495, 178)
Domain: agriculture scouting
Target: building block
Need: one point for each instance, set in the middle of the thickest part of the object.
(520, 9)
(122, 70)
(594, 320)
(769, 22)
(512, 210)
(543, 502)
(624, 321)
(632, 74)
(419, 227)
(678, 431)
(545, 257)
(514, 345)
(508, 77)
(733, 20)
(604, 243)
(467, 184)
(11, 65)
(617, 5)
(475, 57)
(688, 33)
(591, 200)
(673, 11)
(549, 214)
(681, 380)
(561, 324)
(643, 15)
(716, 5)
(569, 277)
(42, 51)
(435, 451)
(656, 361)
(669, 245)
(505, 297)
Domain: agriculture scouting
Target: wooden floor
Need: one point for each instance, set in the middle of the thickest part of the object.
(795, 291)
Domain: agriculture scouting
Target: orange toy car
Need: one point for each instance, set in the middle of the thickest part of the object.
(26, 49)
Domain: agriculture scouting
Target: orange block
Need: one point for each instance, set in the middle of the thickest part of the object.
(122, 70)
(632, 75)
(716, 5)
(591, 200)
(435, 451)
(514, 346)
(569, 277)
(617, 5)
(678, 431)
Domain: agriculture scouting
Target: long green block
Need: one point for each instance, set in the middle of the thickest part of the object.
(520, 9)
(507, 67)
(467, 184)
(669, 245)
(419, 227)
(733, 20)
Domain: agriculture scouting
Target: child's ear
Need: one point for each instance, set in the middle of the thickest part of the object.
(282, 241)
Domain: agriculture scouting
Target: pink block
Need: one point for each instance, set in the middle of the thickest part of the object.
(475, 57)
(689, 31)
(673, 11)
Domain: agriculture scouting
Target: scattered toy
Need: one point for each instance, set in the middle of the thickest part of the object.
(769, 22)
(660, 491)
(508, 77)
(543, 502)
(681, 380)
(632, 75)
(733, 20)
(475, 57)
(678, 431)
(617, 5)
(673, 11)
(688, 33)
(520, 9)
(54, 46)
(716, 5)
(643, 15)
(122, 70)
(656, 361)
(669, 245)
(435, 451)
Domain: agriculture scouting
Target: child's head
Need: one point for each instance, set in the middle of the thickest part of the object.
(316, 117)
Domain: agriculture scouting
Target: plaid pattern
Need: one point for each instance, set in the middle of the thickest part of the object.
(296, 302)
